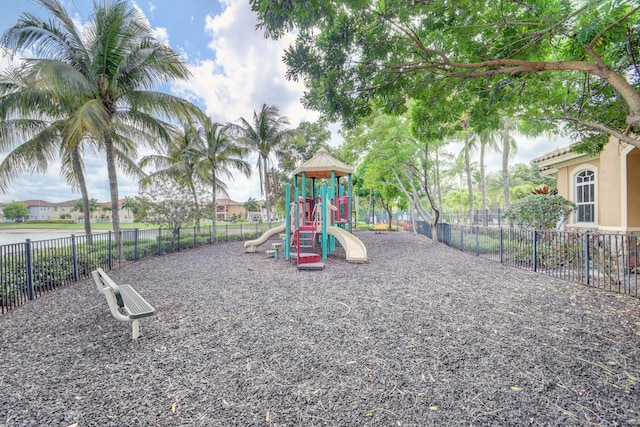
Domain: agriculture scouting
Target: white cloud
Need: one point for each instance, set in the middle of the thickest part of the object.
(246, 72)
(161, 34)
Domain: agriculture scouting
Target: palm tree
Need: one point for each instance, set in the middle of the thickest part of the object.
(487, 140)
(111, 73)
(86, 209)
(509, 148)
(251, 205)
(35, 118)
(177, 163)
(264, 135)
(215, 154)
(469, 145)
(130, 205)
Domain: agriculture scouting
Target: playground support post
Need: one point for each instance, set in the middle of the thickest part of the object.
(325, 209)
(287, 237)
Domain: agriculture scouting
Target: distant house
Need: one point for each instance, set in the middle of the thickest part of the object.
(44, 210)
(227, 209)
(606, 188)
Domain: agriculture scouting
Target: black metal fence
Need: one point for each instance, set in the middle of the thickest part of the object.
(33, 268)
(482, 217)
(605, 261)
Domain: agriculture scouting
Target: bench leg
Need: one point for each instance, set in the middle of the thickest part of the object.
(135, 329)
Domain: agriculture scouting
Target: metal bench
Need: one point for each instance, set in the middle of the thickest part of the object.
(125, 303)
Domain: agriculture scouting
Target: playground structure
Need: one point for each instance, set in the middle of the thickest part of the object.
(320, 220)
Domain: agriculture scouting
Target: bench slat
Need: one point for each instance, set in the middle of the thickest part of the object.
(135, 306)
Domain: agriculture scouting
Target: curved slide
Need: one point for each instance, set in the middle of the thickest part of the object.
(355, 250)
(251, 245)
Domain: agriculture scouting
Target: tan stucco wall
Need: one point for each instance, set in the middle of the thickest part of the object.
(614, 206)
(633, 188)
(609, 185)
(564, 188)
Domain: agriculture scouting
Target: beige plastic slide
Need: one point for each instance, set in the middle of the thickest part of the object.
(355, 250)
(251, 245)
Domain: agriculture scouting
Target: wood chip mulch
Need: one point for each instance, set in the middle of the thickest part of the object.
(422, 335)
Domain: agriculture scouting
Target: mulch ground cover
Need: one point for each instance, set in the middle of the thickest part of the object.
(421, 335)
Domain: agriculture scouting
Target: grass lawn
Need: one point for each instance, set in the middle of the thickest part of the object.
(95, 226)
(98, 226)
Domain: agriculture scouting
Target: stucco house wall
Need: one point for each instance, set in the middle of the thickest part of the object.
(617, 185)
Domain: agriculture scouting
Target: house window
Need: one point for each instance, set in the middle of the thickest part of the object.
(586, 196)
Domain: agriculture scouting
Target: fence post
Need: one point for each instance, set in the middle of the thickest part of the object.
(29, 261)
(74, 257)
(462, 238)
(501, 245)
(195, 237)
(178, 239)
(586, 258)
(535, 250)
(159, 241)
(241, 236)
(477, 241)
(110, 249)
(136, 254)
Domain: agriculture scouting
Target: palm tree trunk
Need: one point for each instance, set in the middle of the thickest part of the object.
(483, 178)
(438, 187)
(78, 171)
(113, 188)
(506, 146)
(467, 167)
(194, 194)
(214, 223)
(266, 188)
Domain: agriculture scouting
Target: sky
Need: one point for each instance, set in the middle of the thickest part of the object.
(234, 71)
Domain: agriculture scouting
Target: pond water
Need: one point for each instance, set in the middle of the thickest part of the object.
(8, 237)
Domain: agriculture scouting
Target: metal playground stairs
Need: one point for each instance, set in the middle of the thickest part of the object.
(305, 241)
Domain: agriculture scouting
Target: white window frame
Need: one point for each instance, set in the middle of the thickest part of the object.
(574, 195)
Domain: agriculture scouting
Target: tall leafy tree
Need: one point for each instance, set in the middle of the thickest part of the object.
(16, 211)
(570, 61)
(264, 134)
(303, 144)
(110, 70)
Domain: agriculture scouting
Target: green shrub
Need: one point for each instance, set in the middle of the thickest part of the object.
(49, 221)
(542, 212)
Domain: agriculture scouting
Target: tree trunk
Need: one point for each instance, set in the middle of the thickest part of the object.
(506, 147)
(438, 187)
(467, 166)
(113, 188)
(483, 178)
(214, 223)
(194, 193)
(78, 170)
(266, 188)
